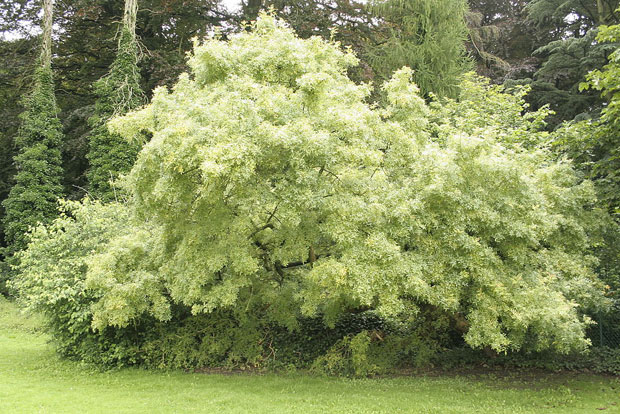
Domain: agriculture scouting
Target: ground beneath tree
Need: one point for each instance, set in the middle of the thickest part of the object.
(34, 380)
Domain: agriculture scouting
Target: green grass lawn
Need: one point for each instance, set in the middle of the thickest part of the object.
(34, 380)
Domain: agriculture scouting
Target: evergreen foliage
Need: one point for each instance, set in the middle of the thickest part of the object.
(118, 92)
(500, 38)
(605, 148)
(39, 172)
(38, 180)
(426, 35)
(593, 144)
(566, 63)
(570, 52)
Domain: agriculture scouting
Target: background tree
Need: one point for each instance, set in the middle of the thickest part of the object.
(426, 35)
(502, 39)
(119, 92)
(38, 181)
(570, 52)
(86, 44)
(594, 144)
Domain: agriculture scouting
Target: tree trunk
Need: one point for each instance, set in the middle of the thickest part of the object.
(129, 17)
(46, 46)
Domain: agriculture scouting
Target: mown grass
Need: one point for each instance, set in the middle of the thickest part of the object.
(34, 380)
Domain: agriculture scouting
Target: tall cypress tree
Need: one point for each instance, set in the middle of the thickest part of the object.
(118, 92)
(38, 161)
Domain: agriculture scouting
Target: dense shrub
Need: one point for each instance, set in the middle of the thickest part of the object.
(51, 279)
(602, 360)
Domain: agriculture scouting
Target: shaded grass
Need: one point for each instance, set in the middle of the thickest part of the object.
(34, 380)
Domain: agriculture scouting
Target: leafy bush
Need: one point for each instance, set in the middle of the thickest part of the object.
(271, 196)
(309, 202)
(51, 279)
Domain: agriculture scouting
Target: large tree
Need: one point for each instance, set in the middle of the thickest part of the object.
(271, 192)
(271, 184)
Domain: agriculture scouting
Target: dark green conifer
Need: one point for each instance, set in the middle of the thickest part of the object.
(570, 51)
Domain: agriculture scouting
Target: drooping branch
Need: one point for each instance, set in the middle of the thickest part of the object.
(310, 261)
